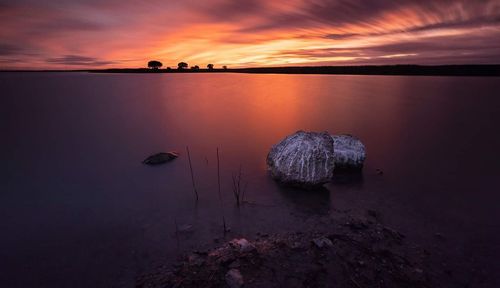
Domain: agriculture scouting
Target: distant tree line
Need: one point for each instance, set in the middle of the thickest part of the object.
(155, 65)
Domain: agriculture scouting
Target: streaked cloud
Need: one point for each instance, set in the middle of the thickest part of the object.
(78, 60)
(112, 33)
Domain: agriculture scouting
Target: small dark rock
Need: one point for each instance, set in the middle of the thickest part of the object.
(356, 225)
(322, 242)
(160, 158)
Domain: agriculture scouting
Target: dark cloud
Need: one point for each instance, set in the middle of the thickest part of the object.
(460, 44)
(78, 60)
(8, 49)
(70, 24)
(477, 22)
(323, 53)
(463, 49)
(233, 10)
(339, 36)
(367, 13)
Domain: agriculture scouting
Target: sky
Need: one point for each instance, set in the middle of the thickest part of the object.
(81, 34)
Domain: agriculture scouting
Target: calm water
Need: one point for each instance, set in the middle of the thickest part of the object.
(78, 209)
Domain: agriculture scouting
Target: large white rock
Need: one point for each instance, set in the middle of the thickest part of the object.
(304, 159)
(349, 153)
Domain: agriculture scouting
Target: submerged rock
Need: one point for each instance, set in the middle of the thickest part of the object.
(349, 153)
(304, 159)
(160, 158)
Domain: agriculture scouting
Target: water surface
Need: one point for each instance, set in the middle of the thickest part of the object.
(78, 209)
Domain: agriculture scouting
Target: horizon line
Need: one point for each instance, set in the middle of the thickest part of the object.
(250, 67)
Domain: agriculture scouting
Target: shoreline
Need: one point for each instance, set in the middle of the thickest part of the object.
(342, 248)
(389, 70)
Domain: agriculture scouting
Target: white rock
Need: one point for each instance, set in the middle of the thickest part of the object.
(349, 152)
(303, 159)
(234, 279)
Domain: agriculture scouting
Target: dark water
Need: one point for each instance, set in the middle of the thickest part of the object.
(78, 209)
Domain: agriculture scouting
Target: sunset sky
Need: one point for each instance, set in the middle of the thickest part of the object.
(79, 34)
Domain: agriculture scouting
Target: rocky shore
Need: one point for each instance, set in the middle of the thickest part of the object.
(341, 251)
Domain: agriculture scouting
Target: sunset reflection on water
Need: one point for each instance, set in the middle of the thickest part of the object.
(74, 143)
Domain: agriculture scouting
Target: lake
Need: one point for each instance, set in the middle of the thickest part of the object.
(79, 209)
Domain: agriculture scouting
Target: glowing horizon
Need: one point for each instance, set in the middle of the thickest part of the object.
(75, 34)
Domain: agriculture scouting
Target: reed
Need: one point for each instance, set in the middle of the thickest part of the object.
(192, 174)
(238, 190)
(218, 176)
(220, 194)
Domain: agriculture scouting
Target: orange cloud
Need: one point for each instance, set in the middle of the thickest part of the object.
(110, 33)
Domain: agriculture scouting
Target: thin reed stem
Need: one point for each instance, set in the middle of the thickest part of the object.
(192, 174)
(220, 194)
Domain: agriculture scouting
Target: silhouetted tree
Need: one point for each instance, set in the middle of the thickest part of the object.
(168, 68)
(195, 67)
(154, 64)
(182, 65)
(210, 66)
(224, 67)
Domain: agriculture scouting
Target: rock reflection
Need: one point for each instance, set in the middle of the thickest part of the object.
(348, 178)
(315, 201)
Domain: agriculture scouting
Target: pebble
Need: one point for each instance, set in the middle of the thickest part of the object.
(322, 242)
(244, 246)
